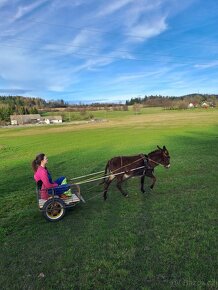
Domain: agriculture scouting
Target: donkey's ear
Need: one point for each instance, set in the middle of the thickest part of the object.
(159, 147)
(164, 148)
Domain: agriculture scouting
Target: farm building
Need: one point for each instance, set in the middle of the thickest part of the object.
(52, 119)
(205, 105)
(34, 119)
(25, 119)
(190, 106)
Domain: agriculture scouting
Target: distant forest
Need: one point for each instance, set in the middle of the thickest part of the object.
(10, 105)
(169, 101)
(19, 105)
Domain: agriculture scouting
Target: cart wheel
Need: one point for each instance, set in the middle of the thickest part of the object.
(54, 209)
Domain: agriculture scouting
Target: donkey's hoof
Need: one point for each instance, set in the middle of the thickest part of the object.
(147, 190)
(150, 190)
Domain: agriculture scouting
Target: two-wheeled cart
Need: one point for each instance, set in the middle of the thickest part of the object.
(54, 208)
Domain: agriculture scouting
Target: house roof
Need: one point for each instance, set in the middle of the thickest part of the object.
(25, 117)
(53, 117)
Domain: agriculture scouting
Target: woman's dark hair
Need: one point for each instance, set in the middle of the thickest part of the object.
(37, 161)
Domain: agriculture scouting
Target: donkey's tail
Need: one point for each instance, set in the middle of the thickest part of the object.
(105, 173)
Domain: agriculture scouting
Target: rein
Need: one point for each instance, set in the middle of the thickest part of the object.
(155, 162)
(127, 164)
(108, 175)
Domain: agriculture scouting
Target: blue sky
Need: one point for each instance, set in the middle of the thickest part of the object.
(106, 51)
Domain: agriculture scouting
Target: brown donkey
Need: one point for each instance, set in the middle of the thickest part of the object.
(124, 167)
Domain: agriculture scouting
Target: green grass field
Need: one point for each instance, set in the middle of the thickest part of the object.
(162, 239)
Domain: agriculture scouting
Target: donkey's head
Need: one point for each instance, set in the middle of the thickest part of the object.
(165, 156)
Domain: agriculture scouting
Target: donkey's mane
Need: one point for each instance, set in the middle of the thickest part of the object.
(154, 151)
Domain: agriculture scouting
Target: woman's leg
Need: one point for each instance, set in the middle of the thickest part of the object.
(59, 190)
(59, 180)
(63, 187)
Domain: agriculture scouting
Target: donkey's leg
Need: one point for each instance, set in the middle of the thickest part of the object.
(142, 184)
(119, 182)
(154, 181)
(106, 186)
(150, 174)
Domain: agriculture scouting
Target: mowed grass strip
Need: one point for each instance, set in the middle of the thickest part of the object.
(157, 240)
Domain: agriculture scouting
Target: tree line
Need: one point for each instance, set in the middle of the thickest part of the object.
(19, 105)
(172, 101)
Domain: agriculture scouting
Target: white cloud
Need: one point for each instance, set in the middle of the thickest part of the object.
(143, 9)
(127, 78)
(153, 73)
(207, 65)
(113, 7)
(23, 10)
(14, 91)
(85, 40)
(94, 62)
(29, 71)
(147, 29)
(81, 44)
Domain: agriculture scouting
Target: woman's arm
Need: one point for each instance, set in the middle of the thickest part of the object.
(45, 179)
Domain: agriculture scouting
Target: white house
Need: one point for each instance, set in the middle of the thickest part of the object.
(34, 119)
(204, 105)
(53, 119)
(190, 106)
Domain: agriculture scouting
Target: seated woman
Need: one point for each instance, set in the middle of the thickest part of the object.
(43, 177)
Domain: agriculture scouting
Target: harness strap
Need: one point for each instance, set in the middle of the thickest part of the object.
(146, 161)
(155, 161)
(112, 172)
(121, 162)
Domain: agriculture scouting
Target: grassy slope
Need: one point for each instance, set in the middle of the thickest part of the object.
(151, 241)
